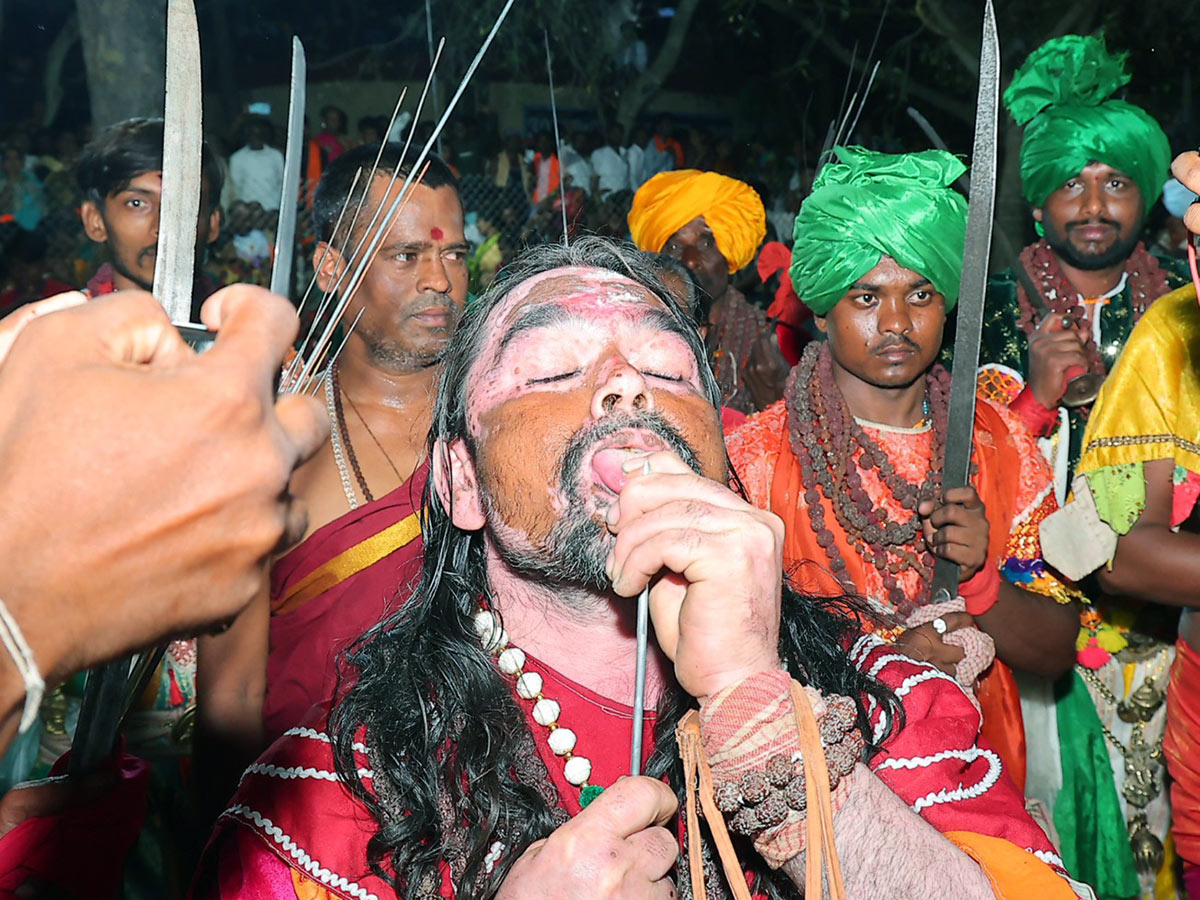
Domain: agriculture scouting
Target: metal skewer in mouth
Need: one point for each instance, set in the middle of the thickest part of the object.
(639, 680)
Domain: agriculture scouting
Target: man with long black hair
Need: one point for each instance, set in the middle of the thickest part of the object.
(577, 458)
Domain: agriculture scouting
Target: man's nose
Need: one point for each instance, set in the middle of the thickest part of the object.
(1093, 204)
(894, 317)
(432, 276)
(691, 258)
(621, 389)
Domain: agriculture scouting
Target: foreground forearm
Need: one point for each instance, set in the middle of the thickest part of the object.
(231, 676)
(887, 851)
(1032, 632)
(1157, 564)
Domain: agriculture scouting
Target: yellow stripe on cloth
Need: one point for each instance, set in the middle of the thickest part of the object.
(307, 889)
(350, 562)
(1013, 873)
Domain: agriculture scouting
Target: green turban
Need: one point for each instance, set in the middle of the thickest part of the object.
(1061, 95)
(867, 205)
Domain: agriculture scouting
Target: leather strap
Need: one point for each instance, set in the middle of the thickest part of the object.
(821, 863)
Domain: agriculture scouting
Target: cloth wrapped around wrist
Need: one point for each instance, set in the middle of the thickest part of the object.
(750, 736)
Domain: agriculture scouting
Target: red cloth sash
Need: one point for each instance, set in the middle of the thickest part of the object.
(1180, 744)
(306, 637)
(82, 849)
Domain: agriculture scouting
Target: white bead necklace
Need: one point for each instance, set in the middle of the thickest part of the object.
(511, 661)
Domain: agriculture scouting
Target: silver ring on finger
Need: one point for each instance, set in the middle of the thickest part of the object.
(939, 625)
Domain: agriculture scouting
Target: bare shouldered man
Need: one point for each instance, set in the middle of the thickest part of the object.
(363, 490)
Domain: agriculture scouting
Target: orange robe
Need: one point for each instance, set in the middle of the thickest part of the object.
(1014, 481)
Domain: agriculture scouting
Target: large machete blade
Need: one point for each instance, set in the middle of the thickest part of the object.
(285, 234)
(182, 142)
(973, 286)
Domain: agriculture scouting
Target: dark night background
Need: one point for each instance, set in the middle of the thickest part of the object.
(754, 83)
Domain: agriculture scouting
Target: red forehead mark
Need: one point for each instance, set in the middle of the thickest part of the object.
(436, 233)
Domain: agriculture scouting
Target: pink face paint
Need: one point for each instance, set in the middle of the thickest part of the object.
(436, 233)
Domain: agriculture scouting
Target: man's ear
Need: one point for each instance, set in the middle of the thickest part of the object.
(822, 324)
(1037, 214)
(93, 222)
(214, 224)
(457, 484)
(329, 265)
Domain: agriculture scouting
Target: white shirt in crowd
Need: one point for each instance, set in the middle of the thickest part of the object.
(634, 154)
(612, 168)
(576, 166)
(257, 176)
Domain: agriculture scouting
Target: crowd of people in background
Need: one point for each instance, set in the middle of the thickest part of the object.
(968, 743)
(512, 185)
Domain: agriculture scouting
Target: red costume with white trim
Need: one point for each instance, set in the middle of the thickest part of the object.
(293, 826)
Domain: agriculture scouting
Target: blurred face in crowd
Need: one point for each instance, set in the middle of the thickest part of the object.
(695, 246)
(334, 120)
(1094, 220)
(14, 165)
(413, 293)
(127, 222)
(257, 135)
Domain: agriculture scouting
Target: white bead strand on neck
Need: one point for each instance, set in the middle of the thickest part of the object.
(511, 661)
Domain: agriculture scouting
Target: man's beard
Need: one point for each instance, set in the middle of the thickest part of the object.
(576, 549)
(1121, 247)
(122, 269)
(388, 353)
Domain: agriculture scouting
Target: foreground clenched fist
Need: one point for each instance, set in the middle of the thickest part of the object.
(146, 484)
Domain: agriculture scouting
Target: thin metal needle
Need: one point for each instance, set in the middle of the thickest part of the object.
(639, 678)
(639, 682)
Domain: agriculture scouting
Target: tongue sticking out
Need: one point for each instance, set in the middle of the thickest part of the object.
(606, 464)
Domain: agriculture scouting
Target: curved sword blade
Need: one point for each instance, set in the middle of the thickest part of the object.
(973, 286)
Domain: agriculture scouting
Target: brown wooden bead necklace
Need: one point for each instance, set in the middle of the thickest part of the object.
(834, 449)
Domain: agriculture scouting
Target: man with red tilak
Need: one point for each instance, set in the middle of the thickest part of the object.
(1092, 167)
(363, 489)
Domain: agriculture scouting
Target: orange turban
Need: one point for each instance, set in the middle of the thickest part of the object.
(669, 200)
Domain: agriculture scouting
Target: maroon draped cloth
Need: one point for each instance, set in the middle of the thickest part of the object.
(307, 634)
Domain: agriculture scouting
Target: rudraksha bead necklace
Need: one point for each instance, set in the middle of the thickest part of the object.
(1147, 282)
(833, 450)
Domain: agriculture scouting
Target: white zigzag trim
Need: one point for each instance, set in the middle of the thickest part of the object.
(289, 772)
(913, 680)
(862, 649)
(1050, 859)
(971, 754)
(314, 735)
(306, 862)
(493, 856)
(883, 662)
